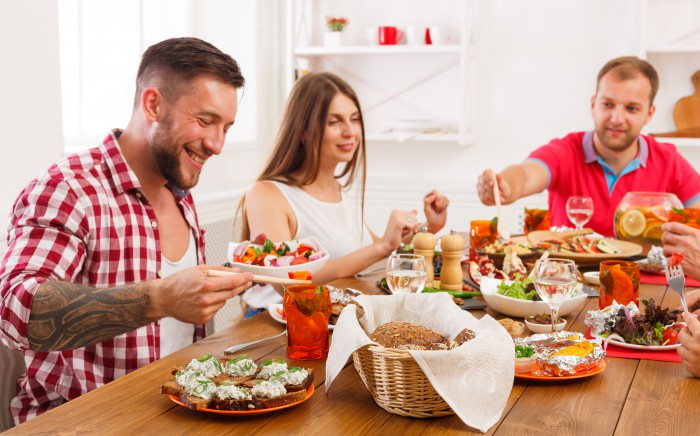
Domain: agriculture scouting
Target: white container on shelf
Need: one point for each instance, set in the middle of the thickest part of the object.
(333, 39)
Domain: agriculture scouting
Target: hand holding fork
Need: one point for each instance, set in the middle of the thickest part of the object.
(676, 280)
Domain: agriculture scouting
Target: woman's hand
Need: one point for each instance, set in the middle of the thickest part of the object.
(685, 240)
(435, 208)
(401, 224)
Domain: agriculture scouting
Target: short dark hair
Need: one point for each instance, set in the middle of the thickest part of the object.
(176, 61)
(628, 67)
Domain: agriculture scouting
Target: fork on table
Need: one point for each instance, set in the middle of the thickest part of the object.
(676, 280)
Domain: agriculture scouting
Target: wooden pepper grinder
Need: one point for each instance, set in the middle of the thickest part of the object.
(451, 275)
(424, 244)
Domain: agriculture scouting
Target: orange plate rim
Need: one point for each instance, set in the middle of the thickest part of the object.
(309, 393)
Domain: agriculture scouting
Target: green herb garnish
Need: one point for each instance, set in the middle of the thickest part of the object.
(524, 351)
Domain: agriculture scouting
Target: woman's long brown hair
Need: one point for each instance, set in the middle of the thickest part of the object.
(305, 116)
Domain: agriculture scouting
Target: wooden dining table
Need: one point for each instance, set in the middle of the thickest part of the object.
(630, 397)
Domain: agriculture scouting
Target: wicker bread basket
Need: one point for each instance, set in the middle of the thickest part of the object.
(397, 383)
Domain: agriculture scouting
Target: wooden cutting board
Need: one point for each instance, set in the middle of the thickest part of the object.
(686, 113)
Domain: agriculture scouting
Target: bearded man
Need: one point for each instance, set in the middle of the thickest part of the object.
(105, 268)
(608, 161)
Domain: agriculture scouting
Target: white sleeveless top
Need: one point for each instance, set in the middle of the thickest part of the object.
(337, 226)
(175, 334)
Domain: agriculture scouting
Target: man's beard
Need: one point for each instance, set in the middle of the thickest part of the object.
(618, 144)
(167, 152)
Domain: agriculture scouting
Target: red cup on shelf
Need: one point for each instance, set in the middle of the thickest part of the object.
(389, 35)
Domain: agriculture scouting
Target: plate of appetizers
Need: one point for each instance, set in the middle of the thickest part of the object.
(579, 246)
(309, 393)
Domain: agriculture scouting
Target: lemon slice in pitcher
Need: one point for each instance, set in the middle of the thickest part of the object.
(633, 222)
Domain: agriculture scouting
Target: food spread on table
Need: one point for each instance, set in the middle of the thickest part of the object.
(657, 326)
(209, 383)
(562, 353)
(577, 244)
(277, 254)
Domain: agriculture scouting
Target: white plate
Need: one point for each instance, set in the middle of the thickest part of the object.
(524, 308)
(272, 310)
(544, 328)
(592, 277)
(621, 344)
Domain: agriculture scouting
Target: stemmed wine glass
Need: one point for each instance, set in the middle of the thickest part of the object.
(406, 273)
(579, 210)
(555, 281)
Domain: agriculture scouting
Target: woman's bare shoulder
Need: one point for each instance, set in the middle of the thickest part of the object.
(264, 190)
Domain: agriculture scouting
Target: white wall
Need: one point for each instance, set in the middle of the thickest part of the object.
(537, 63)
(30, 112)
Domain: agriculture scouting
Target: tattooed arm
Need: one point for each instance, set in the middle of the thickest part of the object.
(66, 315)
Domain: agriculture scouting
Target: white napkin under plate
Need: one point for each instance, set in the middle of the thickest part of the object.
(474, 379)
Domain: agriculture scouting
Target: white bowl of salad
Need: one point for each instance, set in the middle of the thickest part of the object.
(517, 301)
(288, 259)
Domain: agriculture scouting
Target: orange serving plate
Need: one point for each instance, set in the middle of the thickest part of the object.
(532, 375)
(309, 393)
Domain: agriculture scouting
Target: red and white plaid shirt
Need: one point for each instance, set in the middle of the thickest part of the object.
(85, 220)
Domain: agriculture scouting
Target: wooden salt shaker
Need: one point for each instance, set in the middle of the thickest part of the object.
(424, 244)
(451, 275)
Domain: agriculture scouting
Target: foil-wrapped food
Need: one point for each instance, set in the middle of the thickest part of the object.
(604, 320)
(340, 297)
(563, 353)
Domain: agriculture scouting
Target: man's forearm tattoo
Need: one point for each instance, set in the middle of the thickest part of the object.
(67, 315)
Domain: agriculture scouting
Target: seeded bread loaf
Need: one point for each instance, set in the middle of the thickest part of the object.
(407, 336)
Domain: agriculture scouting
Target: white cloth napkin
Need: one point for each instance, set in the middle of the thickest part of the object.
(474, 379)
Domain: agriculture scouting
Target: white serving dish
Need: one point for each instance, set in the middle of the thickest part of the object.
(312, 267)
(524, 308)
(524, 364)
(592, 277)
(544, 328)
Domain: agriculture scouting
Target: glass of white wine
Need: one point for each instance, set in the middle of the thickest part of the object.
(579, 210)
(555, 281)
(406, 273)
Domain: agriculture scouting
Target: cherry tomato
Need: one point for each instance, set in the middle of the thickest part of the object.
(678, 326)
(676, 259)
(299, 260)
(670, 337)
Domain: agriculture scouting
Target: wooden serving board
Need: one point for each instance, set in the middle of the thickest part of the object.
(686, 114)
(627, 249)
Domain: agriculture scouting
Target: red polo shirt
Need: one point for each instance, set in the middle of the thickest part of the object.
(575, 168)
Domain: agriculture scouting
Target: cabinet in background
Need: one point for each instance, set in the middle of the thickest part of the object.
(670, 40)
(407, 92)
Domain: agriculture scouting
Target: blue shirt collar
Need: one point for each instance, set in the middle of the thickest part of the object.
(592, 156)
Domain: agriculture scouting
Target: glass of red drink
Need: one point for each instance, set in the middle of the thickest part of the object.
(307, 308)
(619, 281)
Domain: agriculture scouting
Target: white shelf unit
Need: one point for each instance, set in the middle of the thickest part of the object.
(436, 82)
(674, 50)
(376, 50)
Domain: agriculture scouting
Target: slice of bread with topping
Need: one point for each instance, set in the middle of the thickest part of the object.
(210, 383)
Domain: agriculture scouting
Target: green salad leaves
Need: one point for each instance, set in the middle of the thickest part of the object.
(522, 289)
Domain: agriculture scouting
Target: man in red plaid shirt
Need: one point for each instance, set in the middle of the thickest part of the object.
(104, 271)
